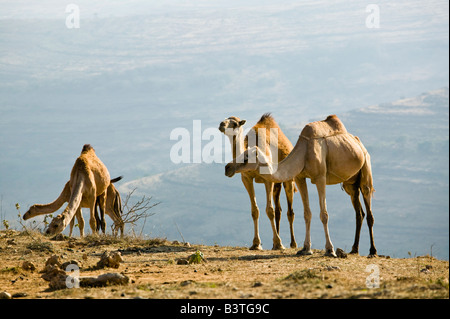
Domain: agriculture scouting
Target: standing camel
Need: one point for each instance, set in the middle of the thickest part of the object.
(327, 154)
(89, 179)
(233, 128)
(113, 208)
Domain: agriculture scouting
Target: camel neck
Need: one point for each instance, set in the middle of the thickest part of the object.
(288, 168)
(237, 144)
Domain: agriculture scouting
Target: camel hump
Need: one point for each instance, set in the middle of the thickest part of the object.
(331, 126)
(87, 147)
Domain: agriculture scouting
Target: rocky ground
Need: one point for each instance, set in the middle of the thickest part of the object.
(157, 268)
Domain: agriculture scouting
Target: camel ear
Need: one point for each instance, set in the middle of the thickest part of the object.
(242, 122)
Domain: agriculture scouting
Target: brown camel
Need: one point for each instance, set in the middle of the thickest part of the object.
(113, 208)
(327, 154)
(89, 179)
(233, 128)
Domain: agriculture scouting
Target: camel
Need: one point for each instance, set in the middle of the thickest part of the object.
(327, 154)
(233, 128)
(89, 179)
(113, 208)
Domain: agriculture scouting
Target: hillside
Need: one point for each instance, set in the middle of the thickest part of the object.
(154, 270)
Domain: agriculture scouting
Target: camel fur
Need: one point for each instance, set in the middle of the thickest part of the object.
(233, 128)
(327, 154)
(89, 179)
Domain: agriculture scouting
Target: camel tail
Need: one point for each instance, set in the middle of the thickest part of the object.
(116, 179)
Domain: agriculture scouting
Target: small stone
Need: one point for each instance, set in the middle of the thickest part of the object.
(110, 259)
(341, 253)
(5, 295)
(186, 283)
(53, 260)
(257, 284)
(19, 295)
(27, 265)
(182, 261)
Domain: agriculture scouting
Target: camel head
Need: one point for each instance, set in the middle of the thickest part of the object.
(31, 212)
(252, 159)
(56, 226)
(232, 126)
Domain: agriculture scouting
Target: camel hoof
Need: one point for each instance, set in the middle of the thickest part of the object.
(372, 256)
(330, 253)
(256, 247)
(304, 252)
(293, 244)
(278, 247)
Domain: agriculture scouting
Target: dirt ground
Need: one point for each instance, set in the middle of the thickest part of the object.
(158, 268)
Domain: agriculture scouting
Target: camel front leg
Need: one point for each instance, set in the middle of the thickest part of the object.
(248, 183)
(80, 219)
(303, 188)
(321, 189)
(271, 215)
(289, 189)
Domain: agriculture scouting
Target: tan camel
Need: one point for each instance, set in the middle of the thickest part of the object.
(327, 154)
(113, 208)
(89, 179)
(233, 128)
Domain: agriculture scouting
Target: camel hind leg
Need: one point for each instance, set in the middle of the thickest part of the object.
(353, 191)
(100, 202)
(276, 201)
(366, 186)
(289, 189)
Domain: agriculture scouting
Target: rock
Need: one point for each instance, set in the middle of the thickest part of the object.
(27, 265)
(182, 261)
(110, 259)
(53, 260)
(70, 262)
(340, 253)
(104, 280)
(20, 295)
(5, 295)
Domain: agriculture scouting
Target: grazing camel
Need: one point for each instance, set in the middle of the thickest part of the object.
(89, 179)
(233, 128)
(327, 154)
(113, 208)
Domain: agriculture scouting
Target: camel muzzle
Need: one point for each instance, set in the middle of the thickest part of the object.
(229, 170)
